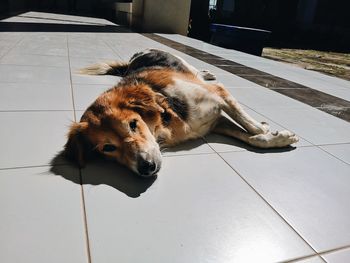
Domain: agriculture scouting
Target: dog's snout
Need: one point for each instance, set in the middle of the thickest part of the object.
(146, 168)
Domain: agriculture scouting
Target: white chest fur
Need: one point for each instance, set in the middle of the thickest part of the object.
(203, 106)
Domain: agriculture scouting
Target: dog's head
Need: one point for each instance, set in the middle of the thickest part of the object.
(120, 127)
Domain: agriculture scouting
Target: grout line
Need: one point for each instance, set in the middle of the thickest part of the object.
(3, 111)
(41, 55)
(28, 65)
(33, 166)
(263, 198)
(299, 259)
(87, 239)
(115, 52)
(70, 79)
(307, 146)
(11, 48)
(330, 144)
(319, 147)
(333, 250)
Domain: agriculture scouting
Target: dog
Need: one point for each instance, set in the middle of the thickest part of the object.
(160, 102)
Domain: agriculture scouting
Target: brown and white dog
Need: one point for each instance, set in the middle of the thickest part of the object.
(161, 101)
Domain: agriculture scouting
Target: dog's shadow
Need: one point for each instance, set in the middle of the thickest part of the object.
(102, 172)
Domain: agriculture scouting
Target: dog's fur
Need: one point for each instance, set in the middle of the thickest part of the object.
(160, 102)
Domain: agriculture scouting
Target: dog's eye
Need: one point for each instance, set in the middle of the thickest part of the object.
(133, 125)
(109, 148)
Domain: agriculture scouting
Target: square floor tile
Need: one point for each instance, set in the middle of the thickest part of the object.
(34, 74)
(53, 44)
(41, 216)
(85, 94)
(197, 210)
(32, 138)
(313, 125)
(339, 256)
(35, 96)
(307, 186)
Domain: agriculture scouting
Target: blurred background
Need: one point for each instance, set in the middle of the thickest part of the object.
(313, 34)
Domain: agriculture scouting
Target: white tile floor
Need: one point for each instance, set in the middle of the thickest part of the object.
(215, 200)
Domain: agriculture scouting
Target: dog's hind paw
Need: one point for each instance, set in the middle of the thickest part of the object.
(207, 75)
(283, 138)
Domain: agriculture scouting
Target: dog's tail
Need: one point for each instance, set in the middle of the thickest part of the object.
(106, 68)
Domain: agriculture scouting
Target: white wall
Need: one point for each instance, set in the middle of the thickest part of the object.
(166, 16)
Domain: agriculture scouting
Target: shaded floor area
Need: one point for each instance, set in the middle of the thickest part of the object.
(215, 199)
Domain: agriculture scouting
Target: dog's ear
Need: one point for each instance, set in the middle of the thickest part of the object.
(77, 146)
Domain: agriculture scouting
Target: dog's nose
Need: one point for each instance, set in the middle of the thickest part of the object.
(146, 168)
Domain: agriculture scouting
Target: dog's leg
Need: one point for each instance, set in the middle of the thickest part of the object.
(201, 74)
(267, 140)
(236, 112)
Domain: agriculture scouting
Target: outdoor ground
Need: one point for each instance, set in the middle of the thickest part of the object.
(331, 63)
(214, 200)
